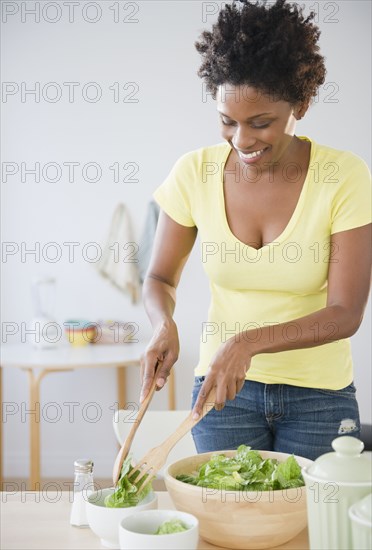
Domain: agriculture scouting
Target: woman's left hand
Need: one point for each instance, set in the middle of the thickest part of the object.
(226, 372)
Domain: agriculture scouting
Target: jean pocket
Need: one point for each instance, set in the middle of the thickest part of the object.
(348, 391)
(198, 381)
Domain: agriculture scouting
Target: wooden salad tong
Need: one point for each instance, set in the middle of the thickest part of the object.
(125, 448)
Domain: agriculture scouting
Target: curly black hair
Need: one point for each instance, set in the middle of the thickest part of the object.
(271, 48)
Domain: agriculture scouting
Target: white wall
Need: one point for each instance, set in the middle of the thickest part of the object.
(170, 118)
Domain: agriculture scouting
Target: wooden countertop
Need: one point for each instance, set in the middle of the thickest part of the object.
(40, 520)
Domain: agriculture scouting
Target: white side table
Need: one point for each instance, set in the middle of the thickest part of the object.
(39, 363)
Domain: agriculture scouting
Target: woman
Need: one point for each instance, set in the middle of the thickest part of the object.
(284, 224)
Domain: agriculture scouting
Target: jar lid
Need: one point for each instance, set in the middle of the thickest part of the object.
(83, 465)
(345, 464)
(362, 509)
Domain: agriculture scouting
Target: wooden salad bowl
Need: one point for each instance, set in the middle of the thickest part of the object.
(239, 519)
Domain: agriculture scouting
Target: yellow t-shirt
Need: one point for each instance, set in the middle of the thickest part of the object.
(285, 279)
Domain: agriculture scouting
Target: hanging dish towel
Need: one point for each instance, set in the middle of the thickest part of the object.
(147, 238)
(119, 262)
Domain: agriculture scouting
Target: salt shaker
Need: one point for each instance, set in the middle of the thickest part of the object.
(83, 486)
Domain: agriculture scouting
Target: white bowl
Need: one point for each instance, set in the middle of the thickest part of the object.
(136, 532)
(104, 521)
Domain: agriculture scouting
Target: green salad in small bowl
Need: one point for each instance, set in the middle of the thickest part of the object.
(127, 492)
(171, 526)
(106, 508)
(159, 530)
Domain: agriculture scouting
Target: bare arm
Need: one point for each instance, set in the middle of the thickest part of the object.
(172, 246)
(348, 289)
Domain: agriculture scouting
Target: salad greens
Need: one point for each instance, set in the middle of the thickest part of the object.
(171, 526)
(247, 471)
(126, 493)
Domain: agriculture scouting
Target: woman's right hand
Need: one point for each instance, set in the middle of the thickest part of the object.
(163, 349)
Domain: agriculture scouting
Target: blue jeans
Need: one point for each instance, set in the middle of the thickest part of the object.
(279, 417)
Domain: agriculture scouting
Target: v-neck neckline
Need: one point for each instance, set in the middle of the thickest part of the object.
(295, 214)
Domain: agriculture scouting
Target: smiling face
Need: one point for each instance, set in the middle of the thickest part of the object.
(260, 129)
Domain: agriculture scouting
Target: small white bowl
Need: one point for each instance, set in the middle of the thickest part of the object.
(136, 532)
(104, 521)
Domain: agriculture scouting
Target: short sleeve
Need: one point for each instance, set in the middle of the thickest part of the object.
(351, 204)
(177, 193)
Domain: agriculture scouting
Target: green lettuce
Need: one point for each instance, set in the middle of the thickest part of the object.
(246, 471)
(127, 493)
(171, 526)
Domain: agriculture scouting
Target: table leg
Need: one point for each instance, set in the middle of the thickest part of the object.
(121, 381)
(1, 429)
(34, 404)
(171, 391)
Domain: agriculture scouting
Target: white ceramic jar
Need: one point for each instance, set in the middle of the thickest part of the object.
(360, 514)
(334, 482)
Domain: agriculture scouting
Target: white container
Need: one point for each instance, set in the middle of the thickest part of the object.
(334, 482)
(136, 532)
(361, 523)
(104, 522)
